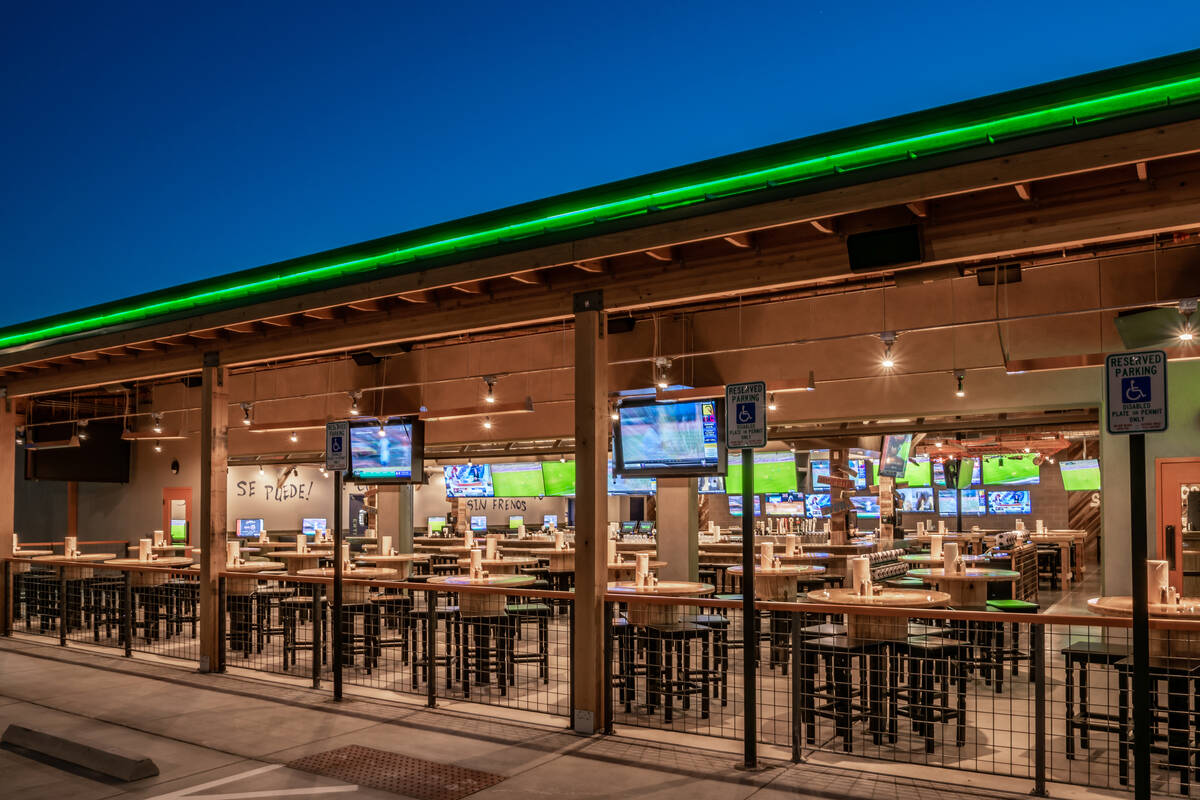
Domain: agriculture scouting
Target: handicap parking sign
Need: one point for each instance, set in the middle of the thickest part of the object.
(1136, 392)
(745, 413)
(746, 417)
(337, 458)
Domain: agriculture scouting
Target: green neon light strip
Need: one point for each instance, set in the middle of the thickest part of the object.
(1003, 127)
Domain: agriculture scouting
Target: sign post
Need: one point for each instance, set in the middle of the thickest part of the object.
(1136, 402)
(746, 429)
(337, 460)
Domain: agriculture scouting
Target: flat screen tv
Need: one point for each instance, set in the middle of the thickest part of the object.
(1009, 502)
(974, 503)
(1080, 476)
(629, 526)
(1013, 469)
(249, 528)
(917, 473)
(645, 526)
(630, 486)
(393, 452)
(866, 506)
(683, 439)
(774, 473)
(518, 479)
(818, 467)
(550, 520)
(479, 523)
(785, 505)
(179, 530)
(916, 501)
(735, 505)
(436, 524)
(816, 506)
(311, 526)
(972, 464)
(515, 521)
(103, 457)
(893, 454)
(711, 484)
(558, 478)
(468, 480)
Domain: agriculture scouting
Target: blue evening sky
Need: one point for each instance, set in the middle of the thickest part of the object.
(147, 144)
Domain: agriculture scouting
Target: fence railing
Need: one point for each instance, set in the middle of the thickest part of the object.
(1040, 697)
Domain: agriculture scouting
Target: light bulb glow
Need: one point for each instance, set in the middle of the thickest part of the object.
(1186, 336)
(294, 437)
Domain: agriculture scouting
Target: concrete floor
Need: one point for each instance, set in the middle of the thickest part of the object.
(224, 736)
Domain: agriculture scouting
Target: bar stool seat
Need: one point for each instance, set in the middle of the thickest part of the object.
(670, 673)
(837, 699)
(929, 657)
(539, 613)
(1078, 657)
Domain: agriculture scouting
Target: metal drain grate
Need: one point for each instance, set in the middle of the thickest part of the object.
(392, 772)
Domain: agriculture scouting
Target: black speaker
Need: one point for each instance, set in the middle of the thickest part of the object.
(890, 247)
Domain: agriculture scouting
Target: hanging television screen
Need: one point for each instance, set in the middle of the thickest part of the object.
(670, 439)
(917, 473)
(435, 524)
(893, 454)
(774, 473)
(311, 526)
(939, 474)
(1080, 476)
(974, 503)
(249, 528)
(785, 505)
(817, 468)
(558, 478)
(468, 480)
(515, 521)
(1013, 469)
(518, 479)
(816, 506)
(392, 452)
(866, 506)
(103, 457)
(479, 523)
(916, 501)
(629, 486)
(1010, 502)
(711, 484)
(735, 505)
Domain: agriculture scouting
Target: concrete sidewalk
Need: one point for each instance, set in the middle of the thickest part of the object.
(226, 736)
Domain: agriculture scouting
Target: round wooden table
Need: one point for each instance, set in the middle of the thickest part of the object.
(616, 569)
(461, 549)
(974, 541)
(867, 627)
(778, 583)
(967, 589)
(74, 567)
(25, 562)
(352, 593)
(152, 576)
(1163, 643)
(506, 565)
(471, 604)
(644, 614)
(244, 586)
(560, 560)
(402, 562)
(806, 557)
(926, 558)
(297, 561)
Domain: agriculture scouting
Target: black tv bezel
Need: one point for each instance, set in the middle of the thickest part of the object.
(720, 469)
(417, 474)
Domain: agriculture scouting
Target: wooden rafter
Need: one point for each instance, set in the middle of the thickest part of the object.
(1024, 191)
(418, 296)
(595, 265)
(828, 226)
(665, 254)
(739, 240)
(919, 208)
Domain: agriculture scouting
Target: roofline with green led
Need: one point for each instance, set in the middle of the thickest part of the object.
(971, 129)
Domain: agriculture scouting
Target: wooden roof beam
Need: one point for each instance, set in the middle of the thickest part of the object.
(741, 241)
(468, 287)
(919, 208)
(594, 266)
(377, 304)
(1024, 191)
(826, 226)
(1143, 171)
(322, 313)
(418, 296)
(530, 278)
(664, 254)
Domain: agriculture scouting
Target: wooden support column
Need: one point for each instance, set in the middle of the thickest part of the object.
(8, 488)
(214, 472)
(590, 712)
(676, 524)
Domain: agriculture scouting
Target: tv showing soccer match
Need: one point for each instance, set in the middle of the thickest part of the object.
(1009, 502)
(435, 524)
(816, 506)
(974, 503)
(629, 486)
(916, 501)
(479, 523)
(711, 484)
(893, 454)
(939, 473)
(1014, 469)
(682, 439)
(390, 452)
(735, 505)
(549, 521)
(774, 473)
(468, 480)
(866, 506)
(558, 478)
(515, 521)
(1080, 476)
(785, 505)
(518, 479)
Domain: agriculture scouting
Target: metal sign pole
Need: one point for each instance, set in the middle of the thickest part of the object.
(335, 611)
(749, 615)
(1141, 615)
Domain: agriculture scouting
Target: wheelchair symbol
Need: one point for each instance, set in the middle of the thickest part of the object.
(745, 413)
(1135, 390)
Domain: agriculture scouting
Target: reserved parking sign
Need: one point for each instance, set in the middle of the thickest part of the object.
(1136, 392)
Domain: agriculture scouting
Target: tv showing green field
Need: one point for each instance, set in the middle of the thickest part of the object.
(1015, 469)
(559, 478)
(918, 472)
(774, 473)
(519, 479)
(1081, 476)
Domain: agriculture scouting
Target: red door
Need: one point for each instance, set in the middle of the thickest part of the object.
(1174, 477)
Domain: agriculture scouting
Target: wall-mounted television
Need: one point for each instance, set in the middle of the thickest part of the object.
(974, 503)
(629, 486)
(816, 506)
(390, 452)
(249, 528)
(468, 480)
(774, 473)
(818, 467)
(311, 526)
(1080, 476)
(515, 521)
(479, 523)
(436, 524)
(972, 464)
(1013, 469)
(550, 520)
(683, 439)
(558, 478)
(1009, 502)
(866, 506)
(518, 479)
(711, 484)
(916, 501)
(735, 505)
(893, 454)
(179, 530)
(785, 505)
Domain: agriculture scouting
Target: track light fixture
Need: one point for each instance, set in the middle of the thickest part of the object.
(81, 430)
(490, 380)
(294, 438)
(158, 447)
(888, 338)
(812, 382)
(157, 423)
(354, 396)
(771, 402)
(246, 409)
(487, 422)
(662, 372)
(260, 470)
(960, 376)
(382, 430)
(20, 436)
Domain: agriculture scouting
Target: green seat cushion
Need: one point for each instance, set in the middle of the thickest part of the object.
(728, 596)
(1014, 606)
(527, 608)
(900, 582)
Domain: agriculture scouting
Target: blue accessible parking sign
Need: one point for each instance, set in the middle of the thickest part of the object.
(1136, 392)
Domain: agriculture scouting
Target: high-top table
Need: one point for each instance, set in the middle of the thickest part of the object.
(643, 614)
(622, 570)
(508, 565)
(401, 562)
(1066, 541)
(352, 593)
(472, 604)
(778, 583)
(151, 576)
(927, 559)
(24, 562)
(974, 540)
(967, 589)
(560, 560)
(297, 561)
(76, 567)
(868, 627)
(1182, 644)
(247, 585)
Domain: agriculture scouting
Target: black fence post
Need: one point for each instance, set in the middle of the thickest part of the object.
(126, 614)
(431, 601)
(318, 630)
(571, 649)
(1037, 645)
(608, 665)
(797, 689)
(222, 612)
(10, 597)
(335, 611)
(62, 606)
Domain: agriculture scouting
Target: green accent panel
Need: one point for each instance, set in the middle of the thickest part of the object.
(1013, 606)
(1066, 104)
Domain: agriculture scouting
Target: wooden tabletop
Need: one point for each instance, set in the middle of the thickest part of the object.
(399, 558)
(664, 588)
(939, 574)
(926, 558)
(621, 566)
(359, 572)
(1122, 606)
(891, 598)
(31, 553)
(797, 569)
(298, 554)
(508, 561)
(158, 562)
(249, 566)
(80, 557)
(490, 580)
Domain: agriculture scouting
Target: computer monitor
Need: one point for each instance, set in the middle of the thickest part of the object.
(550, 520)
(311, 526)
(645, 526)
(515, 521)
(436, 524)
(249, 528)
(479, 523)
(628, 526)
